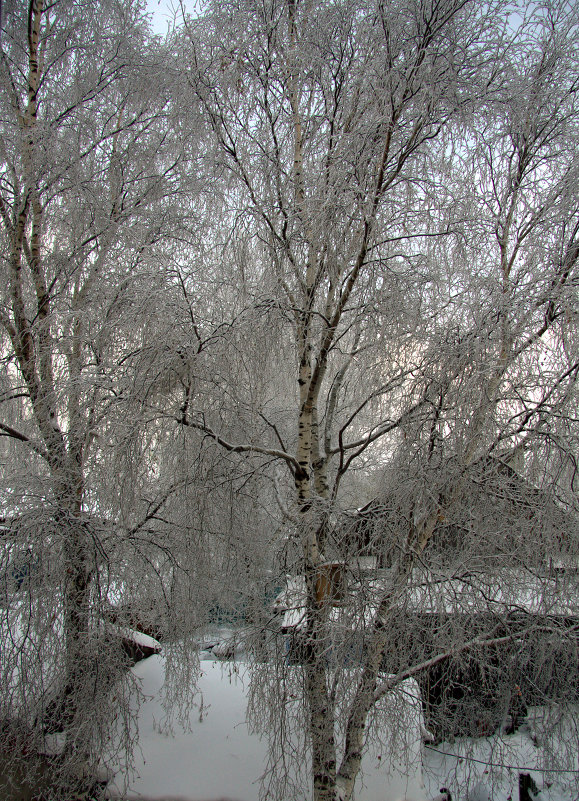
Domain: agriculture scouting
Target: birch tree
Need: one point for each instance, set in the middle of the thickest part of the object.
(85, 164)
(404, 173)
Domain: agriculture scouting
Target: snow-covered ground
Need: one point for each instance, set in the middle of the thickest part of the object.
(218, 756)
(488, 768)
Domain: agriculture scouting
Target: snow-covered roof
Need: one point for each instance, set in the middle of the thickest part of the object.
(138, 638)
(506, 591)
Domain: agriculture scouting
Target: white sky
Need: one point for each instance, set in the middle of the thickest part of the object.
(164, 11)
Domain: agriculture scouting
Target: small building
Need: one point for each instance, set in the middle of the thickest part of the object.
(491, 645)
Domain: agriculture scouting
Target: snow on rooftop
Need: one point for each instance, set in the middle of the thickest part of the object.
(504, 591)
(137, 637)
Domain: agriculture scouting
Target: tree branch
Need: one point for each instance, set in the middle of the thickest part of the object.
(389, 685)
(8, 431)
(290, 460)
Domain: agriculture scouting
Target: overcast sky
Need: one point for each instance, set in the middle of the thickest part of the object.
(163, 12)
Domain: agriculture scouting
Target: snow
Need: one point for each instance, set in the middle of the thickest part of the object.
(512, 590)
(137, 637)
(218, 756)
(488, 768)
(506, 590)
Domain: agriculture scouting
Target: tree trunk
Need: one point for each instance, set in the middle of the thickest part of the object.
(321, 709)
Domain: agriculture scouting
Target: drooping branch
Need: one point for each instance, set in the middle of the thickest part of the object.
(290, 460)
(13, 433)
